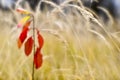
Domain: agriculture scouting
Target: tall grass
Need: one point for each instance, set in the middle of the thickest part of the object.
(77, 46)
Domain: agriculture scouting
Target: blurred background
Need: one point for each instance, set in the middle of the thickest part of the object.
(85, 34)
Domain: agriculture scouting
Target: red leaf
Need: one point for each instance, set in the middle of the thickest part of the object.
(22, 37)
(40, 39)
(38, 59)
(23, 21)
(19, 43)
(28, 46)
(27, 24)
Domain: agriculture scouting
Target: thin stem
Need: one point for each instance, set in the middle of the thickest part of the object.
(33, 47)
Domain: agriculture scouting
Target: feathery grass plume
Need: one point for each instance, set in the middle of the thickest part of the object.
(56, 34)
(110, 18)
(51, 3)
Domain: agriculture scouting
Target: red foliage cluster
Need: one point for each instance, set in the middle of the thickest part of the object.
(30, 42)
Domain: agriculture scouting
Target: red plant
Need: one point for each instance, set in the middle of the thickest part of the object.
(30, 41)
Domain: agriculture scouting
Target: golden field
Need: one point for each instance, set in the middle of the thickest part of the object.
(77, 47)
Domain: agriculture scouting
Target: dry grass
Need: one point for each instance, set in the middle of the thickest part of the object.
(77, 47)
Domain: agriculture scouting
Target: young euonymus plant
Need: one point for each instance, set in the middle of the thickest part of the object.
(29, 42)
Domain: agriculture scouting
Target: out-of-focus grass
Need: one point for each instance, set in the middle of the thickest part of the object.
(75, 49)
